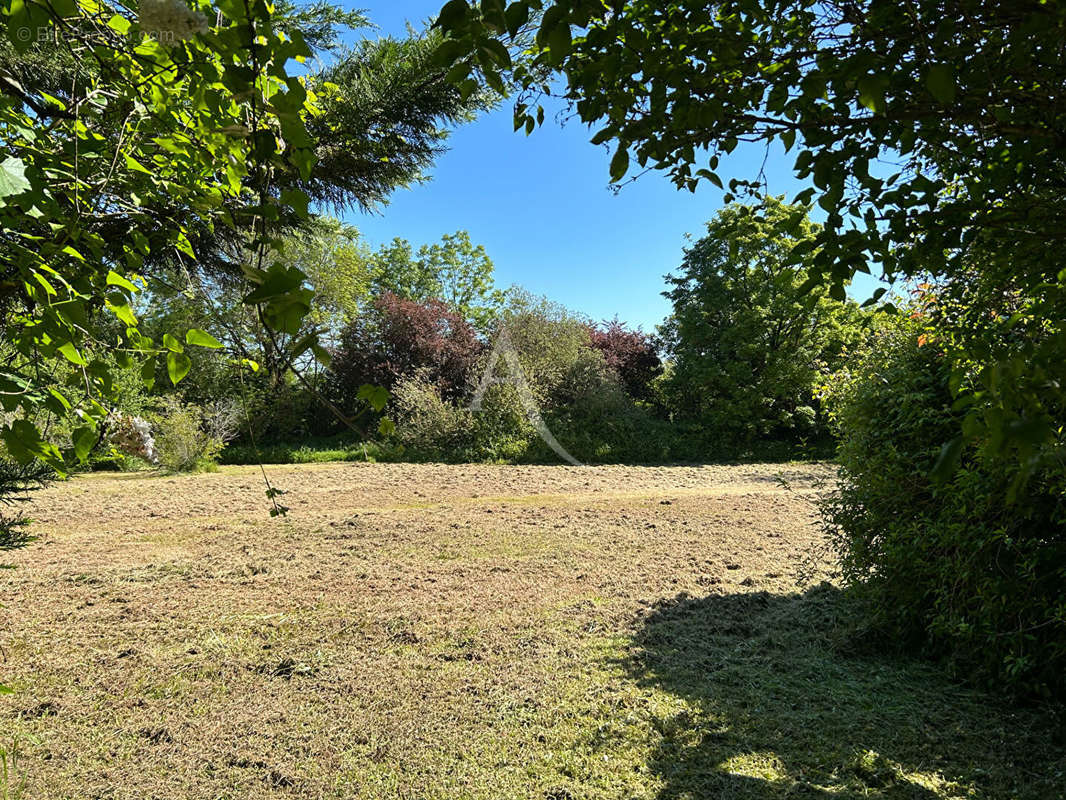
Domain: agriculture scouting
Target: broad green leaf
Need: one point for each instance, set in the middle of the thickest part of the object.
(374, 396)
(276, 281)
(172, 344)
(148, 373)
(286, 314)
(122, 310)
(322, 355)
(296, 200)
(559, 43)
(60, 399)
(452, 14)
(940, 80)
(12, 177)
(24, 21)
(119, 24)
(178, 366)
(136, 165)
(24, 443)
(202, 339)
(71, 354)
(871, 93)
(84, 439)
(184, 245)
(619, 164)
(114, 279)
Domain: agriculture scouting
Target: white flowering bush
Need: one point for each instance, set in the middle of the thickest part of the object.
(132, 436)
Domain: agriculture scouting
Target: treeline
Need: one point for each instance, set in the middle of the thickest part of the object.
(734, 373)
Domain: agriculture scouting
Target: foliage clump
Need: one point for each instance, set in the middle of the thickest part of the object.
(398, 337)
(632, 354)
(749, 348)
(951, 566)
(16, 481)
(189, 438)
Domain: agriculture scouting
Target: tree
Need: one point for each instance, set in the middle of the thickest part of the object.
(632, 354)
(338, 264)
(164, 123)
(455, 271)
(399, 337)
(749, 350)
(930, 131)
(946, 566)
(169, 146)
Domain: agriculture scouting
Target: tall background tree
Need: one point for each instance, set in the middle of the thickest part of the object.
(749, 351)
(454, 270)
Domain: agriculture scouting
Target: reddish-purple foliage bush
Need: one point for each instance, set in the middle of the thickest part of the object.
(396, 337)
(630, 353)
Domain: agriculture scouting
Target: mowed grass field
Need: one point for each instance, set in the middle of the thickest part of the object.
(423, 631)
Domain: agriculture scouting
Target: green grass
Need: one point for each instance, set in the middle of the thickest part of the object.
(309, 451)
(753, 696)
(589, 648)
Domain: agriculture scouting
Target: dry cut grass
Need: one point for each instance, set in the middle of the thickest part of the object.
(469, 632)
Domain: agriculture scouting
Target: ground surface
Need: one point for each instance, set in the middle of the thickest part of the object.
(469, 632)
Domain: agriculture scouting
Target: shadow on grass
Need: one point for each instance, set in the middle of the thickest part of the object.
(770, 707)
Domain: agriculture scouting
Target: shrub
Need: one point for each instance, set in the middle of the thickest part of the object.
(398, 337)
(16, 481)
(955, 568)
(429, 427)
(190, 437)
(632, 354)
(578, 394)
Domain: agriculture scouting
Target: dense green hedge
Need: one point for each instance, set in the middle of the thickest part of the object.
(954, 568)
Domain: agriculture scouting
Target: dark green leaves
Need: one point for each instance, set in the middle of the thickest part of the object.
(84, 439)
(872, 92)
(940, 80)
(274, 282)
(178, 366)
(190, 173)
(453, 14)
(148, 373)
(24, 443)
(71, 353)
(947, 462)
(25, 19)
(374, 396)
(619, 164)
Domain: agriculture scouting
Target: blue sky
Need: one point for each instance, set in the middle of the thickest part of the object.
(542, 207)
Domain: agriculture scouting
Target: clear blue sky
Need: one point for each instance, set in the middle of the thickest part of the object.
(542, 208)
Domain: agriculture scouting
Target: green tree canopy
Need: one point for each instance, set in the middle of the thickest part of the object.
(749, 351)
(136, 131)
(454, 270)
(169, 144)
